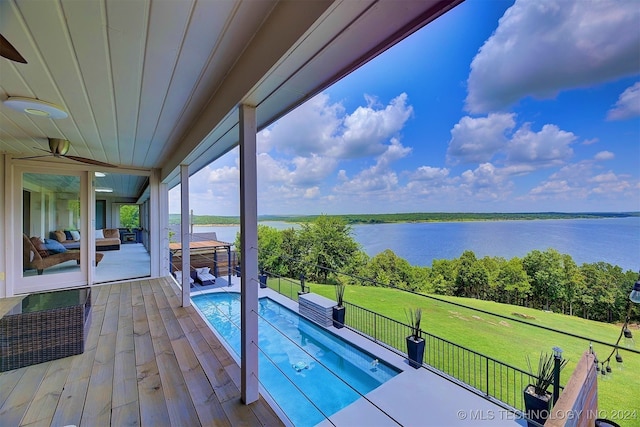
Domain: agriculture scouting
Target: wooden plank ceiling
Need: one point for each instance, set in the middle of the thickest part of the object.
(152, 84)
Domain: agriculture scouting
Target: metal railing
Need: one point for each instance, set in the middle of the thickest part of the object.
(286, 286)
(485, 374)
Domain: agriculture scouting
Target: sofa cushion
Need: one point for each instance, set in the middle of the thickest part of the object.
(99, 234)
(40, 247)
(75, 235)
(67, 234)
(54, 247)
(111, 233)
(60, 236)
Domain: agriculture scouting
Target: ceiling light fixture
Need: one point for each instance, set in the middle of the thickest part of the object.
(104, 190)
(35, 107)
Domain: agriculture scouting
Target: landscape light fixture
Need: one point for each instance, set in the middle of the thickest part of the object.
(625, 332)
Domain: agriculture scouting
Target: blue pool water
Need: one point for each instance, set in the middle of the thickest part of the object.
(293, 346)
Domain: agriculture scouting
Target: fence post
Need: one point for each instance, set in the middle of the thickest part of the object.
(375, 327)
(557, 360)
(487, 374)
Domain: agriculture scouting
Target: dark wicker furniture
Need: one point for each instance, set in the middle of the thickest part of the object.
(43, 327)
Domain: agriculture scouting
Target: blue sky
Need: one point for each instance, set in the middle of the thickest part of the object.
(497, 106)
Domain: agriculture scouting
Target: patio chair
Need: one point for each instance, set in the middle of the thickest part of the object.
(38, 258)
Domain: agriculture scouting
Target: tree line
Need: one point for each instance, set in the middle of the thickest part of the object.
(325, 251)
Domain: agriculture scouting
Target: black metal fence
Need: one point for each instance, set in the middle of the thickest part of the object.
(487, 375)
(288, 287)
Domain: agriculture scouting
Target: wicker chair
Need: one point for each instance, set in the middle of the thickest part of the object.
(33, 260)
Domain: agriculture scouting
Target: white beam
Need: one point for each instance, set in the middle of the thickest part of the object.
(186, 237)
(248, 255)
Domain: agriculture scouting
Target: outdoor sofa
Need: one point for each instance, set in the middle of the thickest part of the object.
(107, 239)
(36, 255)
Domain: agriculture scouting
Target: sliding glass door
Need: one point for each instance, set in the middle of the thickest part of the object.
(52, 243)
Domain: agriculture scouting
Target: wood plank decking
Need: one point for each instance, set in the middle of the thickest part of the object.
(147, 361)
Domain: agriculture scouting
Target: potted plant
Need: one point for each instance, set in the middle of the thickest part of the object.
(339, 309)
(537, 398)
(415, 342)
(263, 279)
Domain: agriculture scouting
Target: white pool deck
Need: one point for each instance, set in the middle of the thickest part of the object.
(413, 398)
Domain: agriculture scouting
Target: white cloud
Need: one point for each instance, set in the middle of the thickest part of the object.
(604, 155)
(367, 130)
(549, 147)
(542, 47)
(377, 178)
(312, 128)
(312, 170)
(486, 182)
(584, 181)
(320, 128)
(477, 140)
(223, 175)
(428, 173)
(487, 139)
(628, 104)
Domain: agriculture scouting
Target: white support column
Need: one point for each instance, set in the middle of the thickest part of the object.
(158, 225)
(249, 255)
(186, 237)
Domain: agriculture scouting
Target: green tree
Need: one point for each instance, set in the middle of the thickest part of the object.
(130, 216)
(291, 253)
(472, 277)
(387, 269)
(546, 275)
(514, 281)
(270, 250)
(443, 276)
(326, 244)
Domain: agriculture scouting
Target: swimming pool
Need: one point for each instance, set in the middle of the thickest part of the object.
(300, 356)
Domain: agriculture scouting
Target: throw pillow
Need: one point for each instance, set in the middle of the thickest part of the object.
(75, 234)
(99, 234)
(67, 234)
(60, 236)
(203, 270)
(54, 247)
(40, 247)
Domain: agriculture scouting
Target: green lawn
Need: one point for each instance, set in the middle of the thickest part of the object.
(509, 341)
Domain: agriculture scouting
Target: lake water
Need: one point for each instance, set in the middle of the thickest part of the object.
(615, 240)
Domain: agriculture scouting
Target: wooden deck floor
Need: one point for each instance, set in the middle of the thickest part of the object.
(147, 361)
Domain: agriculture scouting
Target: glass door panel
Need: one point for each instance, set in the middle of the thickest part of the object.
(51, 214)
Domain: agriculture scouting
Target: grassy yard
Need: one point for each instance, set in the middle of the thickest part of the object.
(510, 341)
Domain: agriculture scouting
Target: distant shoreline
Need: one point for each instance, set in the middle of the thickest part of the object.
(363, 219)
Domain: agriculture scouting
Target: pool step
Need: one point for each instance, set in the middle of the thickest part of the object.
(316, 308)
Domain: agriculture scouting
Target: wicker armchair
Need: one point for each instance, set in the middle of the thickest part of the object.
(32, 258)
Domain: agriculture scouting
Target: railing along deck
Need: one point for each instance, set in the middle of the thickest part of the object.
(147, 361)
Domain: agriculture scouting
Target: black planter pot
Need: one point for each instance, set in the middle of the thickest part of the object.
(537, 408)
(263, 280)
(415, 351)
(338, 317)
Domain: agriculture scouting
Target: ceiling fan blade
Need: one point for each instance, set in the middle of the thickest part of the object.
(32, 157)
(90, 161)
(8, 51)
